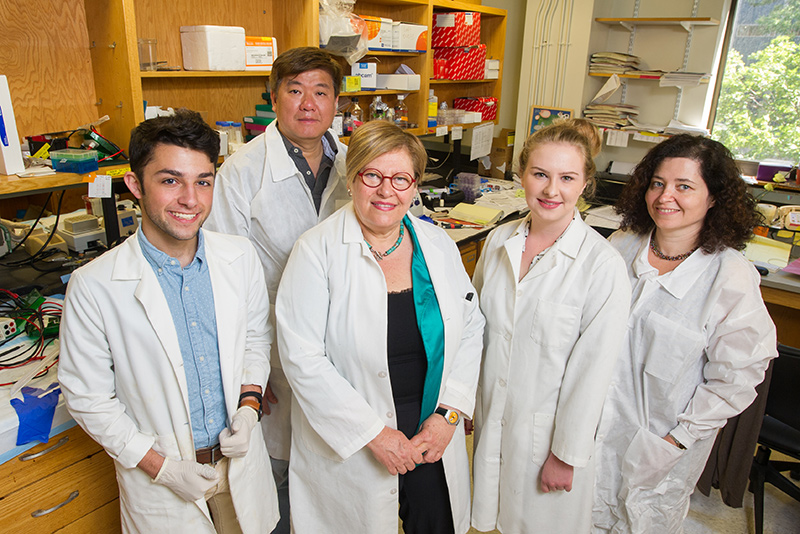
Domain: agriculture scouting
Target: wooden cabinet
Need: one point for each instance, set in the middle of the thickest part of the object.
(65, 485)
(83, 63)
(493, 34)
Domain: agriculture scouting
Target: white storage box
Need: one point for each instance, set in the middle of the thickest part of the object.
(213, 47)
(10, 151)
(403, 82)
(368, 71)
(410, 37)
(260, 52)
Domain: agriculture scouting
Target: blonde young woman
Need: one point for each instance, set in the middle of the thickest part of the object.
(380, 336)
(555, 296)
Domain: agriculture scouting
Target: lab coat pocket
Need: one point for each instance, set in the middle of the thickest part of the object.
(543, 426)
(673, 346)
(647, 461)
(555, 325)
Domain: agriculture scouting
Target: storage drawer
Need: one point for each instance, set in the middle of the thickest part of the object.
(104, 520)
(28, 467)
(90, 482)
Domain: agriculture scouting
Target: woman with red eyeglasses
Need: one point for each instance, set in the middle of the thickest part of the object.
(380, 337)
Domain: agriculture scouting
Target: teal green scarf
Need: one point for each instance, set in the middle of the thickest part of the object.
(430, 324)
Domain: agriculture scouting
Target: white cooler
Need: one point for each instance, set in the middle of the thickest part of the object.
(213, 47)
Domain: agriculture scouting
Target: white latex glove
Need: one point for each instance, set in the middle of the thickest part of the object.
(189, 480)
(235, 441)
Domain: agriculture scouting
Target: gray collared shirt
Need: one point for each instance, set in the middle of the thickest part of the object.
(315, 183)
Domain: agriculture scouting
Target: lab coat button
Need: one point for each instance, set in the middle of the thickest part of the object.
(502, 383)
(507, 337)
(519, 293)
(394, 491)
(502, 422)
(382, 374)
(389, 415)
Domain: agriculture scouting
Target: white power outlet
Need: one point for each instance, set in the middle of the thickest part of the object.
(8, 327)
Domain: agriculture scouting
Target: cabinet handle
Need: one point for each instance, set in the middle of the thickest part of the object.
(40, 513)
(26, 457)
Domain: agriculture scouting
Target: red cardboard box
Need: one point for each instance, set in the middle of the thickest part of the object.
(440, 69)
(461, 28)
(467, 63)
(487, 105)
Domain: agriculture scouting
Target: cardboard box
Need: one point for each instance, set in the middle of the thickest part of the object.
(461, 28)
(350, 84)
(259, 52)
(465, 63)
(440, 69)
(368, 71)
(408, 37)
(486, 105)
(403, 82)
(501, 158)
(379, 32)
(10, 151)
(492, 70)
(213, 47)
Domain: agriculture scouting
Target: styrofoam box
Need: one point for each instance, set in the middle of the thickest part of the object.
(379, 32)
(213, 47)
(407, 36)
(403, 82)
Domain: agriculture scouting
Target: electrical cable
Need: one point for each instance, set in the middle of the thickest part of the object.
(33, 226)
(43, 250)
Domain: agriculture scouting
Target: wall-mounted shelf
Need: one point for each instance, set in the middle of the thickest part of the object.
(686, 22)
(439, 82)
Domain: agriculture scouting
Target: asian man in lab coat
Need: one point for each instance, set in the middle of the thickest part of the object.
(276, 187)
(165, 349)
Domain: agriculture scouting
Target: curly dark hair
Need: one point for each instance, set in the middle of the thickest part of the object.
(729, 222)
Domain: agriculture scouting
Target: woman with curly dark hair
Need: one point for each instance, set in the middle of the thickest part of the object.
(699, 336)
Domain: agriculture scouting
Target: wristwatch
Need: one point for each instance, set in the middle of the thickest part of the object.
(451, 416)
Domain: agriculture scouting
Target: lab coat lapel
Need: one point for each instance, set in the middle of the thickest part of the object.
(280, 165)
(226, 295)
(513, 247)
(131, 265)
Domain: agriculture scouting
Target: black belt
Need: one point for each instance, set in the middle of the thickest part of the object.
(209, 455)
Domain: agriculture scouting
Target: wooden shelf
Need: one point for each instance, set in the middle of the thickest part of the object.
(439, 81)
(440, 5)
(450, 127)
(204, 73)
(377, 92)
(397, 53)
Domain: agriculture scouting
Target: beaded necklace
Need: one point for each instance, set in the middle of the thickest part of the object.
(659, 254)
(378, 255)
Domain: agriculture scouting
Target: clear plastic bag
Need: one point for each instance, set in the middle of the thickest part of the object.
(340, 31)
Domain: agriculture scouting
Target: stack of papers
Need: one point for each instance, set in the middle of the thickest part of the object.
(683, 79)
(677, 127)
(612, 62)
(476, 214)
(610, 115)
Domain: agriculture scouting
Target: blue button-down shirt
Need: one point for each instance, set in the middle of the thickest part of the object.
(191, 303)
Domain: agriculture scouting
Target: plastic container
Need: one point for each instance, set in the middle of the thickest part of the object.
(74, 160)
(213, 47)
(433, 109)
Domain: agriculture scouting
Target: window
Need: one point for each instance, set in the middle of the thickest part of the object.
(758, 109)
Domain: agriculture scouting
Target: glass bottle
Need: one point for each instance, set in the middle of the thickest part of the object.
(377, 109)
(356, 112)
(401, 112)
(442, 118)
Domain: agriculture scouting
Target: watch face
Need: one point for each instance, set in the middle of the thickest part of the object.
(452, 417)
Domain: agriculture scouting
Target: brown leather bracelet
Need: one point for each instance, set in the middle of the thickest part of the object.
(251, 403)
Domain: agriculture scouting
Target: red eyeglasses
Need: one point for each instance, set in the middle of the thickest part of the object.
(374, 178)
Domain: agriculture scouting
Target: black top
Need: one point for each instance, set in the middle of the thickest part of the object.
(407, 361)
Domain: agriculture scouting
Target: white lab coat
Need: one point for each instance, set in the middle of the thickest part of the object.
(122, 375)
(551, 342)
(332, 313)
(699, 340)
(260, 194)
